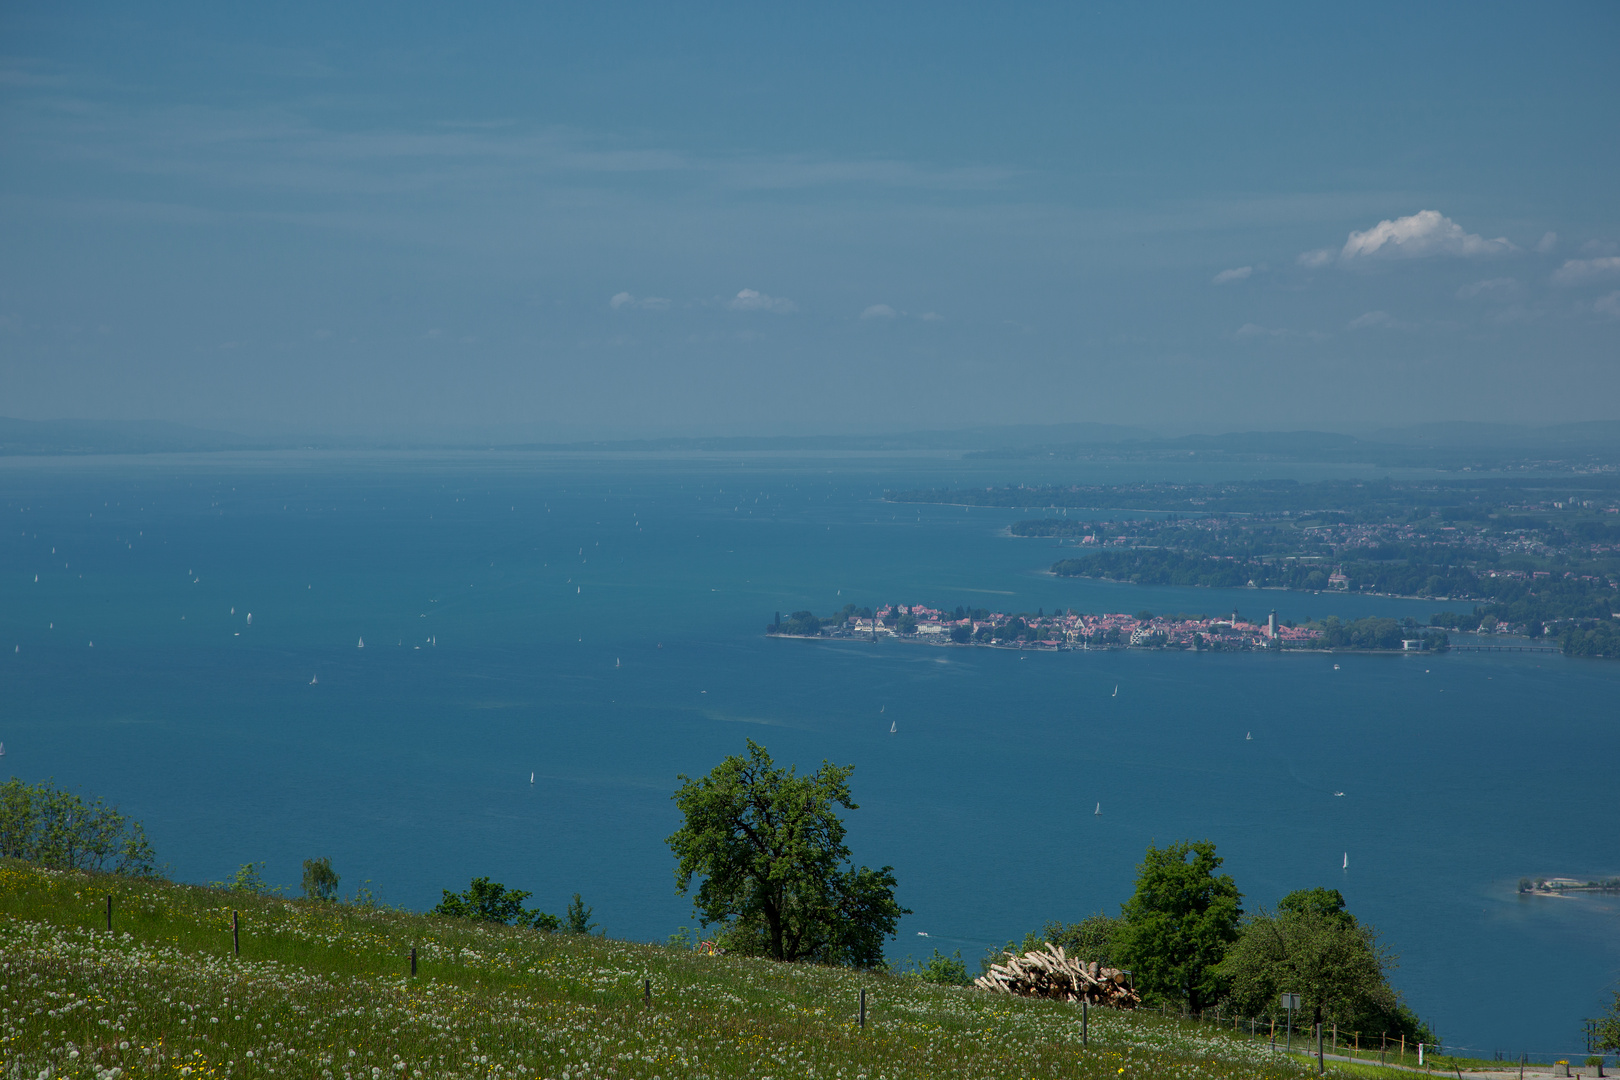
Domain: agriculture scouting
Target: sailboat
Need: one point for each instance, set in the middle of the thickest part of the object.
(313, 679)
(615, 661)
(892, 725)
(1097, 812)
(362, 644)
(2, 749)
(1335, 667)
(1116, 690)
(1346, 861)
(531, 778)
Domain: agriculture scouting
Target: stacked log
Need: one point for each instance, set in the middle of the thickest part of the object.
(1048, 973)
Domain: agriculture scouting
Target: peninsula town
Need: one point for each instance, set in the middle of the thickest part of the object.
(1066, 630)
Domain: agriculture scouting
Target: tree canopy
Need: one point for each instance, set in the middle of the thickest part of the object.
(320, 880)
(1608, 1027)
(1315, 948)
(1177, 927)
(769, 847)
(44, 824)
(490, 901)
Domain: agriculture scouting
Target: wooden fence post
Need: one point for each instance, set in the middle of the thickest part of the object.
(646, 991)
(863, 1009)
(109, 913)
(236, 935)
(1085, 1022)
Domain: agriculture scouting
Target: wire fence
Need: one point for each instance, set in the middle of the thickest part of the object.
(1384, 1048)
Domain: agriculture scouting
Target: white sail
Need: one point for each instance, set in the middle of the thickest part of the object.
(362, 644)
(313, 679)
(1098, 812)
(892, 724)
(531, 778)
(1346, 860)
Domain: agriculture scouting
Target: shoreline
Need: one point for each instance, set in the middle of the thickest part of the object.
(916, 639)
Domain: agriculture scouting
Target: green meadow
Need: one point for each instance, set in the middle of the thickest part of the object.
(324, 990)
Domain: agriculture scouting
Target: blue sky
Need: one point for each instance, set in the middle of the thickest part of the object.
(611, 219)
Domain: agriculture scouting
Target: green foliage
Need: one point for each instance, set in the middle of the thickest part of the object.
(1608, 1027)
(1179, 924)
(315, 982)
(320, 880)
(942, 969)
(802, 623)
(769, 847)
(1597, 639)
(42, 823)
(247, 879)
(490, 901)
(1369, 633)
(578, 917)
(1091, 939)
(1325, 902)
(1313, 947)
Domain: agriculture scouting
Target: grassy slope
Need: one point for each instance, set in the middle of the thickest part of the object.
(323, 991)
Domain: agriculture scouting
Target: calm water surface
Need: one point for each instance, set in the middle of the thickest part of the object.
(597, 621)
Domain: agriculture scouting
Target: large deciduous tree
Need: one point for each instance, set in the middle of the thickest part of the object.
(1313, 947)
(769, 847)
(1179, 924)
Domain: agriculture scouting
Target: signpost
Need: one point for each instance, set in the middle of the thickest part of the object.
(1290, 1002)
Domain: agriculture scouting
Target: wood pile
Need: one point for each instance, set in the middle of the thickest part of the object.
(1049, 973)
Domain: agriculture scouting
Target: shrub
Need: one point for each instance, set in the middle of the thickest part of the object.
(44, 824)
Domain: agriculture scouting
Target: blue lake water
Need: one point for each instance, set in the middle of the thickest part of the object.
(598, 621)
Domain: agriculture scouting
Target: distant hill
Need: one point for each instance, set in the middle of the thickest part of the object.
(1439, 445)
(114, 437)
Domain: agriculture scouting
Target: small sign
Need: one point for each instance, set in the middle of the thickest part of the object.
(1290, 1001)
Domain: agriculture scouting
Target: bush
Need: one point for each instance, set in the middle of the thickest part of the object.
(44, 824)
(320, 880)
(942, 969)
(490, 901)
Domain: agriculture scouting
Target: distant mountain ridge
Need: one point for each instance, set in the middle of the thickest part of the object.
(1436, 445)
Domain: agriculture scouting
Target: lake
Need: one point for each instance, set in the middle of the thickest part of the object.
(598, 620)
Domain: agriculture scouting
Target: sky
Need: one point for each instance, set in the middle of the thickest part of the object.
(609, 220)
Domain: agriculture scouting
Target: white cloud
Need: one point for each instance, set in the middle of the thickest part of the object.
(1427, 232)
(1547, 242)
(1370, 319)
(931, 316)
(1575, 271)
(1608, 305)
(878, 311)
(1601, 247)
(1493, 287)
(1235, 274)
(646, 303)
(752, 300)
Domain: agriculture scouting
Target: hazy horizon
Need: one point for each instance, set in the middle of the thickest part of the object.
(638, 221)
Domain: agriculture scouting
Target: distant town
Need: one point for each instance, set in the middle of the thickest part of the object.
(1067, 630)
(1537, 557)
